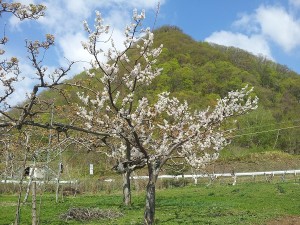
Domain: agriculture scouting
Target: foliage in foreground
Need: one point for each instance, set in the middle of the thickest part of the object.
(245, 203)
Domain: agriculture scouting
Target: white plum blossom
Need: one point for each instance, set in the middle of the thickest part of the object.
(137, 16)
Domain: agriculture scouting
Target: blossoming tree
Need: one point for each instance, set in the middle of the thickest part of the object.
(148, 134)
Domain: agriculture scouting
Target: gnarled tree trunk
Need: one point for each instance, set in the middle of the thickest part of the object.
(150, 194)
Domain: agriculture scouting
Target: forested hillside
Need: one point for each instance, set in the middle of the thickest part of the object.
(201, 72)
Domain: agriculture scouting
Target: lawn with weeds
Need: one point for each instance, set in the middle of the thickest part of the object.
(245, 203)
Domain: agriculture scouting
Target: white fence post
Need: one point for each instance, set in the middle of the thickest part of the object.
(91, 169)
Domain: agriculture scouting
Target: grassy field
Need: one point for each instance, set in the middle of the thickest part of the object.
(245, 203)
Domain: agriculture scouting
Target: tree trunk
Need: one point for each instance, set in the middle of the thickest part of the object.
(31, 172)
(18, 211)
(126, 188)
(34, 218)
(126, 178)
(6, 164)
(57, 182)
(150, 195)
(28, 187)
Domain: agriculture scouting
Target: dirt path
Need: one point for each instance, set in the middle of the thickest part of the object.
(290, 220)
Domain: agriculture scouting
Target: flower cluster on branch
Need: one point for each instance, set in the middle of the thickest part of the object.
(31, 11)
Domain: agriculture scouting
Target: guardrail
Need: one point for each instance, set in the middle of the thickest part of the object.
(216, 175)
(268, 174)
(213, 176)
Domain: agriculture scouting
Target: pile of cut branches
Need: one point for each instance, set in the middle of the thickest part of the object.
(85, 214)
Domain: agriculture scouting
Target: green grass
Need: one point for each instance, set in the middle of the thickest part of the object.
(245, 203)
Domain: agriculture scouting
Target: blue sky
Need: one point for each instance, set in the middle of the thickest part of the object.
(264, 27)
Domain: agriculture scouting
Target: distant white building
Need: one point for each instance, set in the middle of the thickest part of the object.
(37, 173)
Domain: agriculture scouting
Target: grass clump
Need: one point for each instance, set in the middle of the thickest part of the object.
(87, 214)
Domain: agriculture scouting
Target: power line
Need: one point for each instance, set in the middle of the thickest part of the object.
(264, 131)
(270, 124)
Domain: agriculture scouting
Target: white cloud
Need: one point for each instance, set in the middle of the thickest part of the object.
(246, 23)
(142, 3)
(78, 7)
(295, 3)
(67, 16)
(257, 31)
(255, 44)
(71, 47)
(118, 19)
(280, 26)
(58, 20)
(15, 23)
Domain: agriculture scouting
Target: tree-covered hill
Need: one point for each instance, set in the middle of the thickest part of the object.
(202, 69)
(202, 72)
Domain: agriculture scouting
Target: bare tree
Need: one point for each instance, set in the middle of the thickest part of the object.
(27, 114)
(16, 119)
(147, 133)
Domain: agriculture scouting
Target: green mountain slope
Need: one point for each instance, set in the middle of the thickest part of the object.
(201, 72)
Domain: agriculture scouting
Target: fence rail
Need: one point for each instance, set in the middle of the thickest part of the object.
(212, 176)
(216, 175)
(268, 175)
(40, 181)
